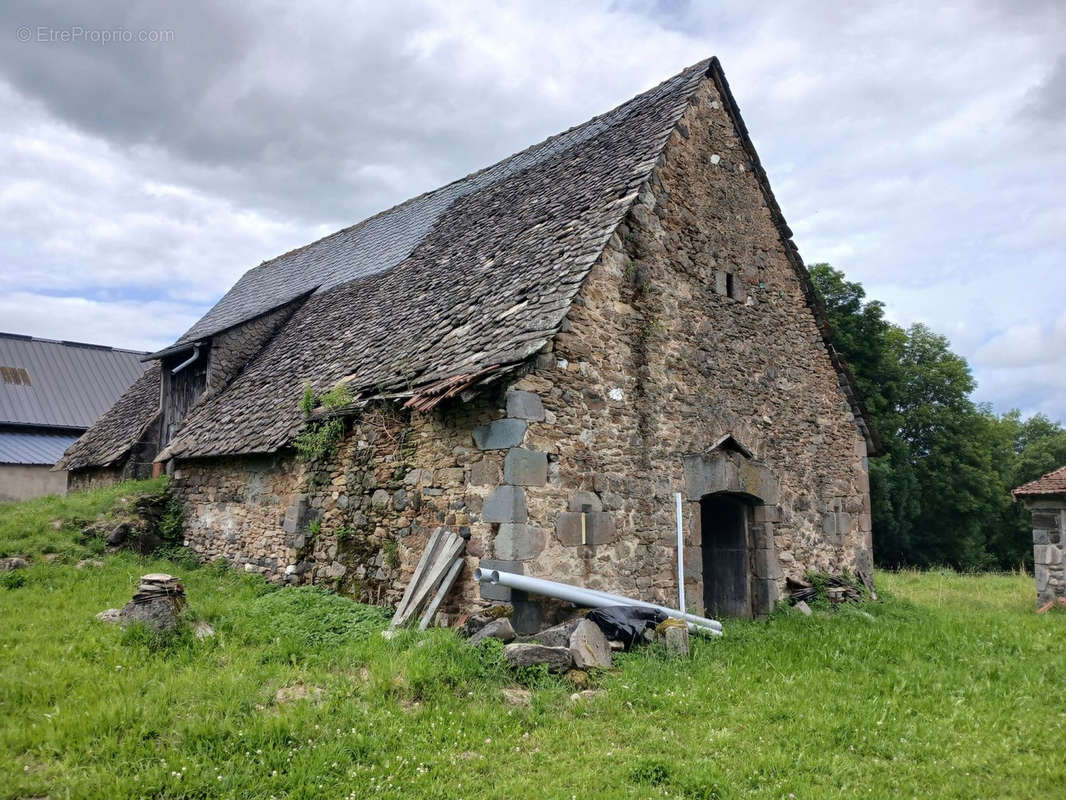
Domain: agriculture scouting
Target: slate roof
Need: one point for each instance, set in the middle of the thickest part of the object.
(439, 292)
(120, 428)
(47, 383)
(496, 261)
(26, 447)
(1052, 483)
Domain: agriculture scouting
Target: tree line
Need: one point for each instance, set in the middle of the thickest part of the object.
(941, 490)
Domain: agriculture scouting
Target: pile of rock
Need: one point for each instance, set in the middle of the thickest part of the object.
(14, 562)
(575, 644)
(158, 602)
(578, 644)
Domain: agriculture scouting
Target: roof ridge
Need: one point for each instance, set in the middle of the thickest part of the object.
(25, 337)
(483, 170)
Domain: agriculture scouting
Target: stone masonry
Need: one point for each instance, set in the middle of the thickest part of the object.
(690, 362)
(1049, 548)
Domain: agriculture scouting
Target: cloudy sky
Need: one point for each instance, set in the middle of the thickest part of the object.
(922, 150)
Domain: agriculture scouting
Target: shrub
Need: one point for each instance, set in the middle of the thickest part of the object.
(15, 579)
(172, 523)
(319, 440)
(650, 771)
(306, 621)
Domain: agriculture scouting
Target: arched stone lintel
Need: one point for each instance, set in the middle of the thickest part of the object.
(728, 471)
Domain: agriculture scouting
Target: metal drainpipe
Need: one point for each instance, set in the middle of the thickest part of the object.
(195, 355)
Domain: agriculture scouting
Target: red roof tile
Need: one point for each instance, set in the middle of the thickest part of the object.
(1052, 483)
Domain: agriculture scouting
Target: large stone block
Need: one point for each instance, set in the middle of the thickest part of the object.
(493, 591)
(584, 501)
(557, 635)
(521, 654)
(729, 472)
(497, 629)
(524, 467)
(517, 542)
(766, 564)
(589, 648)
(505, 504)
(766, 595)
(599, 528)
(500, 435)
(524, 405)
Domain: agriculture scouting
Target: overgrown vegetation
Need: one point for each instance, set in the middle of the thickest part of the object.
(941, 491)
(319, 438)
(949, 689)
(52, 526)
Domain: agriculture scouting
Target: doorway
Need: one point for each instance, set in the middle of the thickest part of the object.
(724, 540)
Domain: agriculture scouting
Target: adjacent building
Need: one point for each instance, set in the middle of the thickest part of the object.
(50, 393)
(1046, 499)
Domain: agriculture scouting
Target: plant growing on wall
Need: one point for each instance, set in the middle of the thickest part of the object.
(319, 438)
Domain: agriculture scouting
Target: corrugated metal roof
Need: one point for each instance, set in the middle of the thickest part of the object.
(61, 384)
(33, 448)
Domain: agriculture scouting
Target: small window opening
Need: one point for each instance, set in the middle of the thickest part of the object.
(729, 284)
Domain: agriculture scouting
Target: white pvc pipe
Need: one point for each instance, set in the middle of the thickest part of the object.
(590, 597)
(619, 600)
(680, 554)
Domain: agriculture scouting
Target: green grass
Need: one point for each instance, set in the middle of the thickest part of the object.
(51, 525)
(950, 688)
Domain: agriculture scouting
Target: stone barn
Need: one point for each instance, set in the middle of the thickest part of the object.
(536, 357)
(1046, 499)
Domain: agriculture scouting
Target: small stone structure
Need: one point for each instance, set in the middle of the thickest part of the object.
(158, 603)
(1046, 499)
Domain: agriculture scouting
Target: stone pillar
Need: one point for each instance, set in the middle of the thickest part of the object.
(1049, 533)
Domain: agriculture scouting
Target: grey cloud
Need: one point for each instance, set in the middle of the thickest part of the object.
(1048, 100)
(915, 146)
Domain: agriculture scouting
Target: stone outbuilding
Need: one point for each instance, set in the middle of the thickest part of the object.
(536, 357)
(1046, 499)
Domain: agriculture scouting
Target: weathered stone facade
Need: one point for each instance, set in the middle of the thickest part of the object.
(691, 328)
(691, 361)
(1045, 498)
(1049, 547)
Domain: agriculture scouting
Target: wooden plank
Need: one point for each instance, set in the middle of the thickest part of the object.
(451, 548)
(428, 554)
(442, 592)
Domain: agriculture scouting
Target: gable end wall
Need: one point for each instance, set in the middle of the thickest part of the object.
(655, 363)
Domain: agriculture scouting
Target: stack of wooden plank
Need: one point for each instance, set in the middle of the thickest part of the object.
(837, 589)
(437, 570)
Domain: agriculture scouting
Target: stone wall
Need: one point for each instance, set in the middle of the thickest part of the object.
(235, 509)
(82, 480)
(689, 363)
(1049, 547)
(233, 348)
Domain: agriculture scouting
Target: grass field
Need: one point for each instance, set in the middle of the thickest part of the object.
(950, 688)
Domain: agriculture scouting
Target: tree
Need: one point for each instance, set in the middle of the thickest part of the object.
(940, 491)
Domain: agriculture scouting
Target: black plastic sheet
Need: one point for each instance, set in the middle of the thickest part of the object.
(625, 624)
